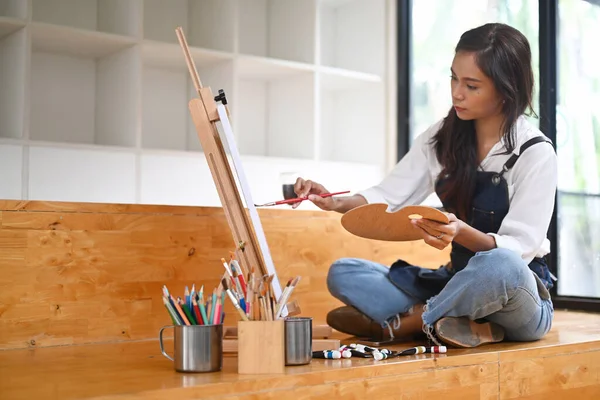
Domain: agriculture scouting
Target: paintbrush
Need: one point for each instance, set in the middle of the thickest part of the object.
(280, 302)
(268, 297)
(284, 299)
(263, 300)
(234, 300)
(249, 297)
(297, 199)
(226, 267)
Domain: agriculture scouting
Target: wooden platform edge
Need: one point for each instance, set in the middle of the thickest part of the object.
(319, 331)
(231, 345)
(466, 375)
(564, 364)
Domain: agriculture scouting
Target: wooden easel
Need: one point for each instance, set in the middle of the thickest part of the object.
(205, 116)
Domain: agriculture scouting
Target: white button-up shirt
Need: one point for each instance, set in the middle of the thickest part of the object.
(531, 187)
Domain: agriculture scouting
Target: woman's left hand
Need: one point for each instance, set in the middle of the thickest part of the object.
(437, 234)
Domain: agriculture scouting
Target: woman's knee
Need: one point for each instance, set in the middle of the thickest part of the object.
(339, 273)
(499, 263)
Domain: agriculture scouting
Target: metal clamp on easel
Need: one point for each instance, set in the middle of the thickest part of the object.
(221, 97)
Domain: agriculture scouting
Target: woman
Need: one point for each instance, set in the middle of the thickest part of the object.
(496, 176)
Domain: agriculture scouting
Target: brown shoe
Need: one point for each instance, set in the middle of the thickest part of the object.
(348, 319)
(462, 332)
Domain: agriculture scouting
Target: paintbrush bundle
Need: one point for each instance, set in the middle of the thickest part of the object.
(253, 296)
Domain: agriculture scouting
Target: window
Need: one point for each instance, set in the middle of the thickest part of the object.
(578, 148)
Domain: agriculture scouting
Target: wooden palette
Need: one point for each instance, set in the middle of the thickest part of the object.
(373, 221)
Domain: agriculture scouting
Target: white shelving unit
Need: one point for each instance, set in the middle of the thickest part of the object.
(94, 99)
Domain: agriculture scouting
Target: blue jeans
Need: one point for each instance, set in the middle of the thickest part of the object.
(496, 285)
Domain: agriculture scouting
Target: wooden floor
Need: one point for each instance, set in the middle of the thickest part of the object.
(565, 364)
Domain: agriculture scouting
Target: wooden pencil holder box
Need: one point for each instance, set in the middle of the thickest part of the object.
(261, 347)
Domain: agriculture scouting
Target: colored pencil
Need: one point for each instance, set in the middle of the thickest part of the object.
(188, 301)
(171, 311)
(187, 312)
(197, 313)
(202, 307)
(180, 311)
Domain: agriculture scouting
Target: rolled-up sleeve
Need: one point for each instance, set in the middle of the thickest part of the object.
(410, 181)
(525, 227)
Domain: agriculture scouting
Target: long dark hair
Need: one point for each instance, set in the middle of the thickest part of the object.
(503, 54)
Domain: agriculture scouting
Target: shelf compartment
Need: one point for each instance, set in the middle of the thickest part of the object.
(76, 42)
(110, 16)
(13, 78)
(334, 3)
(206, 23)
(262, 68)
(267, 27)
(276, 117)
(177, 179)
(352, 127)
(166, 92)
(11, 165)
(344, 46)
(78, 99)
(9, 25)
(83, 175)
(170, 56)
(17, 9)
(339, 79)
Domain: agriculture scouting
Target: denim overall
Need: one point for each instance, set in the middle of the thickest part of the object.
(489, 207)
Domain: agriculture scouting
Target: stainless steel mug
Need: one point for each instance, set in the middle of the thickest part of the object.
(298, 340)
(198, 348)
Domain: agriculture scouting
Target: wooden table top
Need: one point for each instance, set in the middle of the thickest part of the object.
(138, 370)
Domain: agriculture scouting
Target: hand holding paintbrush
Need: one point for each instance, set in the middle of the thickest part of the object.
(320, 196)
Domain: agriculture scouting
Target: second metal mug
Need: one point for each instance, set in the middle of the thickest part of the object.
(298, 340)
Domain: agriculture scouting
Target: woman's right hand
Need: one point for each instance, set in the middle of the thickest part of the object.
(304, 188)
